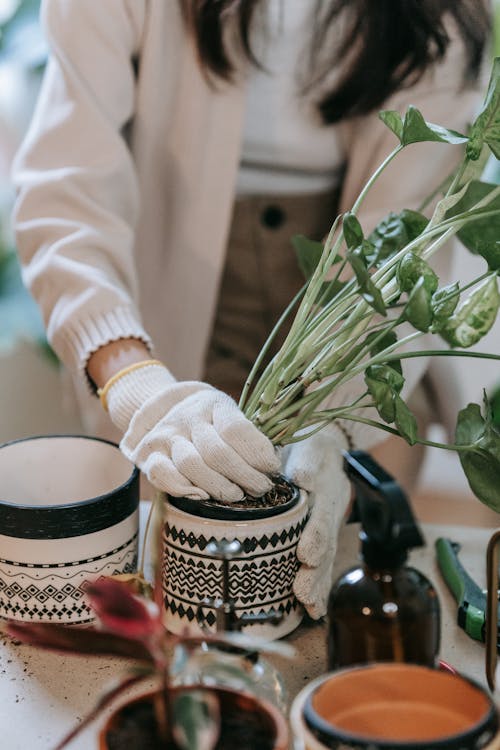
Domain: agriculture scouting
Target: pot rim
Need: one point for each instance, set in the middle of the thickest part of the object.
(280, 742)
(64, 520)
(325, 732)
(206, 509)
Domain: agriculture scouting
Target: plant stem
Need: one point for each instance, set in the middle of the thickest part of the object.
(266, 346)
(374, 178)
(454, 447)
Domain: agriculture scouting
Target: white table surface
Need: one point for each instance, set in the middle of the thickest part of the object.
(43, 694)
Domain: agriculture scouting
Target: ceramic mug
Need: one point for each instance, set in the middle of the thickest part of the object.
(68, 515)
(260, 576)
(395, 706)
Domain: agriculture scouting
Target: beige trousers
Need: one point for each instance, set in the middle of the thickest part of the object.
(261, 277)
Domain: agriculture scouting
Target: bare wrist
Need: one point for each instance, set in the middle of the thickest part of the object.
(113, 357)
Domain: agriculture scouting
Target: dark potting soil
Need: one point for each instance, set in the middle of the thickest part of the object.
(137, 731)
(281, 493)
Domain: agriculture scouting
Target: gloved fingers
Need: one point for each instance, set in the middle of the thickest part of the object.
(238, 432)
(329, 506)
(149, 411)
(302, 464)
(158, 440)
(314, 541)
(224, 460)
(191, 465)
(163, 475)
(312, 587)
(308, 459)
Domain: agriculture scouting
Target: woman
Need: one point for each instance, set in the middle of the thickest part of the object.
(165, 136)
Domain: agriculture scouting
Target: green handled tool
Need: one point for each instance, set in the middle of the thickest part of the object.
(471, 598)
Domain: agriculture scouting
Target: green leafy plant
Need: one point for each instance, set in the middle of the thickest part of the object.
(349, 329)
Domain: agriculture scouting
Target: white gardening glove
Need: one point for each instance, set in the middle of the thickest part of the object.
(188, 438)
(316, 465)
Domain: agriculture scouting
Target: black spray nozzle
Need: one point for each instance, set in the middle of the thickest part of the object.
(389, 528)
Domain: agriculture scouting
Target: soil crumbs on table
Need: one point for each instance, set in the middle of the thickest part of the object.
(137, 731)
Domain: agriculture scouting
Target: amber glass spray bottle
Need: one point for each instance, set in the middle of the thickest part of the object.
(382, 609)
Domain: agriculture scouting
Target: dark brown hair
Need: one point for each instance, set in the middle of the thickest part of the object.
(387, 44)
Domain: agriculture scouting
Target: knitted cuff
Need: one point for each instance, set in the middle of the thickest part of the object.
(131, 387)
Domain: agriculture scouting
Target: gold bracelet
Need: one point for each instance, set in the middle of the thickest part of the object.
(103, 392)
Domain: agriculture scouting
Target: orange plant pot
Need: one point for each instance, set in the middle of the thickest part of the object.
(394, 707)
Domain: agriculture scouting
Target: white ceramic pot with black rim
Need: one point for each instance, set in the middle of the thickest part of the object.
(68, 515)
(394, 706)
(261, 572)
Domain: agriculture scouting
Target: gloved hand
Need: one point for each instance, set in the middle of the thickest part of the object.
(190, 439)
(316, 465)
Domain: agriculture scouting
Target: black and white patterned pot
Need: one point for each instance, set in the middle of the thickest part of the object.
(261, 575)
(68, 515)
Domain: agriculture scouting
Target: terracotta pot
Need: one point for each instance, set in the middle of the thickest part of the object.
(261, 574)
(272, 722)
(394, 707)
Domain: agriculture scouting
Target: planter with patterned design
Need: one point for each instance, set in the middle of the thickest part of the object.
(68, 514)
(260, 576)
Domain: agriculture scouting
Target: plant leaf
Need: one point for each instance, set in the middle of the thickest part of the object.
(480, 236)
(196, 720)
(418, 308)
(474, 317)
(66, 638)
(445, 204)
(135, 582)
(393, 120)
(384, 383)
(373, 296)
(405, 421)
(254, 644)
(482, 465)
(121, 611)
(486, 127)
(358, 264)
(308, 254)
(416, 130)
(443, 304)
(494, 400)
(394, 232)
(377, 344)
(411, 269)
(353, 233)
(370, 293)
(417, 277)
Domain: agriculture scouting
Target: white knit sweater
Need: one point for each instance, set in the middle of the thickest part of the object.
(126, 182)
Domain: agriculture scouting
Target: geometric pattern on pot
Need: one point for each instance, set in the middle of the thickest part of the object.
(69, 513)
(56, 593)
(260, 576)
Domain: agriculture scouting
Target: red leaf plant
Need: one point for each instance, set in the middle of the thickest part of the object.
(128, 626)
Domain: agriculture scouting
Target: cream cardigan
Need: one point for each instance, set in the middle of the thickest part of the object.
(126, 177)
